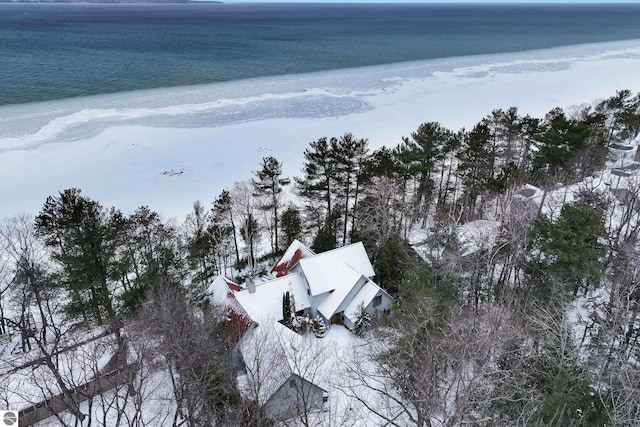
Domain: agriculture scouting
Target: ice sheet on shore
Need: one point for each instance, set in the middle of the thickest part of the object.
(169, 147)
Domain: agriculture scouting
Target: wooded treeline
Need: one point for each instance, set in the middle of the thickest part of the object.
(538, 326)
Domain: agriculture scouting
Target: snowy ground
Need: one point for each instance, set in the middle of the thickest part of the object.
(351, 380)
(152, 403)
(344, 369)
(33, 384)
(167, 148)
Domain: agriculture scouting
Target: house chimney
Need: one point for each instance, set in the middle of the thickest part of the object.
(251, 285)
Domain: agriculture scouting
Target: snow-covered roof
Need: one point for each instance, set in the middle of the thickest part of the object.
(292, 345)
(294, 253)
(365, 295)
(219, 290)
(265, 362)
(272, 353)
(339, 274)
(345, 279)
(222, 293)
(477, 235)
(528, 191)
(323, 271)
(301, 352)
(266, 301)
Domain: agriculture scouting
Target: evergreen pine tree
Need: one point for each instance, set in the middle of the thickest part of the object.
(200, 246)
(508, 131)
(325, 240)
(79, 234)
(573, 254)
(624, 109)
(318, 185)
(291, 225)
(350, 155)
(419, 156)
(559, 143)
(150, 258)
(363, 320)
(476, 164)
(381, 163)
(270, 185)
(286, 310)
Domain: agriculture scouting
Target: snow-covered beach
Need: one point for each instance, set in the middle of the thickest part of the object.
(166, 148)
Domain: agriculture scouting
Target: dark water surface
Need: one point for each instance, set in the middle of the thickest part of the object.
(54, 51)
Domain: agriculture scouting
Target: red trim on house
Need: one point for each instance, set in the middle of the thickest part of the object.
(233, 286)
(238, 321)
(282, 268)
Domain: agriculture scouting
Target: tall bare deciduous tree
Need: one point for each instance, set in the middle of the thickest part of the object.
(196, 354)
(244, 205)
(224, 215)
(28, 282)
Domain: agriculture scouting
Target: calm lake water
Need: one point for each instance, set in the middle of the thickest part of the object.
(59, 51)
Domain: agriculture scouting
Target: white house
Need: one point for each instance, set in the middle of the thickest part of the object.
(280, 367)
(330, 285)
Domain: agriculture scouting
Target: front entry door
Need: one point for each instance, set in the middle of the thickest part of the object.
(336, 319)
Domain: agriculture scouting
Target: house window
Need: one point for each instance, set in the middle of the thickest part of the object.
(292, 383)
(377, 300)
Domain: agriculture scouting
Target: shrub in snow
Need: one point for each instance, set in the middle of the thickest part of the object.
(300, 324)
(318, 327)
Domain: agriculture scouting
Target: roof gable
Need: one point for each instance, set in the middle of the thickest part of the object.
(273, 353)
(294, 253)
(365, 295)
(346, 280)
(231, 285)
(222, 294)
(219, 290)
(324, 271)
(265, 362)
